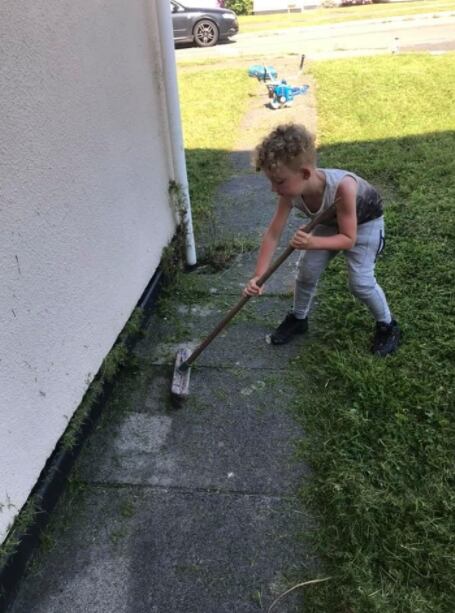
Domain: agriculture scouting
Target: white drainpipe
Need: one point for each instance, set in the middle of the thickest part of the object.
(175, 121)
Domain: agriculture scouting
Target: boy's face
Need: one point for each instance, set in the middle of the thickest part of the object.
(288, 182)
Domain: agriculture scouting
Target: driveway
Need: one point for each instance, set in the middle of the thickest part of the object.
(435, 32)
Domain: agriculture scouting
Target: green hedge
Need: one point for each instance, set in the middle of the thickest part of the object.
(241, 7)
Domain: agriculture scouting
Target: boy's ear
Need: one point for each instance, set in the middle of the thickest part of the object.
(305, 172)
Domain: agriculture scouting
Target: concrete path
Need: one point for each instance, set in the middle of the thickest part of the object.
(191, 510)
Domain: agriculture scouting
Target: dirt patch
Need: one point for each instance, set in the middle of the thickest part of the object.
(260, 119)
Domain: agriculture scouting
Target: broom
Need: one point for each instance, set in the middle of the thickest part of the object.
(185, 357)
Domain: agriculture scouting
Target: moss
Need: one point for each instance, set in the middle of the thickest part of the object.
(114, 361)
(21, 527)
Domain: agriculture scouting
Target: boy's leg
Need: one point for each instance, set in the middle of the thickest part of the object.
(361, 260)
(310, 267)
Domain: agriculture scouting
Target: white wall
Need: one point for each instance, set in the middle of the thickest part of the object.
(84, 210)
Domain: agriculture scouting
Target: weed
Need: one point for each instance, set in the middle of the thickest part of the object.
(127, 509)
(22, 524)
(221, 253)
(114, 361)
(256, 598)
(118, 534)
(173, 256)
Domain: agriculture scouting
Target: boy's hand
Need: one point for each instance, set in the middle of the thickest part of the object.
(302, 240)
(252, 289)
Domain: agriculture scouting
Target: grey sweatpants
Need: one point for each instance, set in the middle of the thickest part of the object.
(360, 262)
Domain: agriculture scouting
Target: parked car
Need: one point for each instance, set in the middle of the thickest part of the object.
(203, 26)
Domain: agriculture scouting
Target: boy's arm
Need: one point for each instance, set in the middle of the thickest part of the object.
(268, 245)
(272, 236)
(346, 211)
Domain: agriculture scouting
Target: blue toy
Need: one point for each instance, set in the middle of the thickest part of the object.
(282, 94)
(262, 73)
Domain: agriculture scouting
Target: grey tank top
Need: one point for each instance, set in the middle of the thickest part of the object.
(369, 201)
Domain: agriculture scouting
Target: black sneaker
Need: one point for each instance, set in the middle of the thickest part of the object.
(386, 338)
(288, 328)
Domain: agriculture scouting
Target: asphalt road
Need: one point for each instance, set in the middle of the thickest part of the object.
(435, 32)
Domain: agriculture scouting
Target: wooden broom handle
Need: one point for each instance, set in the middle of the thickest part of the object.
(324, 216)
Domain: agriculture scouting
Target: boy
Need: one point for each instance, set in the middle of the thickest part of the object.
(288, 158)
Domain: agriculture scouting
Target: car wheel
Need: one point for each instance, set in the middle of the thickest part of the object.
(206, 33)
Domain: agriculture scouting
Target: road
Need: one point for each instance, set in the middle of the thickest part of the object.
(433, 32)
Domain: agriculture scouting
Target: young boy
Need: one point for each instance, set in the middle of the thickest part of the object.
(288, 158)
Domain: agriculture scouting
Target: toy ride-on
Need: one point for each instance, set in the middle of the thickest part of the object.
(282, 94)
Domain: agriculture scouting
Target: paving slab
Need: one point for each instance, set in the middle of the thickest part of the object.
(233, 279)
(193, 509)
(150, 550)
(193, 447)
(245, 206)
(235, 206)
(243, 344)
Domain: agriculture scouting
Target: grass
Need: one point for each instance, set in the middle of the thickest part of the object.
(323, 16)
(381, 433)
(116, 359)
(212, 105)
(21, 527)
(220, 253)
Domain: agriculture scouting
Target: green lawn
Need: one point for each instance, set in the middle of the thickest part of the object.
(323, 16)
(212, 104)
(381, 433)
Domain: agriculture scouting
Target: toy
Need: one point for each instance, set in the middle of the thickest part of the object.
(282, 94)
(262, 73)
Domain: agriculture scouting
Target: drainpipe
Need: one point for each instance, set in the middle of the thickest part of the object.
(175, 122)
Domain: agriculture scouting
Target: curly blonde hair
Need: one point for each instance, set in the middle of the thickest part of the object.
(289, 144)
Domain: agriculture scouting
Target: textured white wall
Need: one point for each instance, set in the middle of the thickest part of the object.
(84, 210)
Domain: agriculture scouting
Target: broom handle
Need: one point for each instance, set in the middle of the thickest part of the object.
(324, 216)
